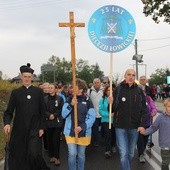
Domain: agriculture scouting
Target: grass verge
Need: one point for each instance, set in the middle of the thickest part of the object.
(2, 138)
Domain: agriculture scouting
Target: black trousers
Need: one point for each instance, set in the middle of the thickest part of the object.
(45, 140)
(109, 136)
(54, 141)
(141, 144)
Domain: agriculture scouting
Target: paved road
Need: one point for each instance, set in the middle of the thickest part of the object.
(95, 160)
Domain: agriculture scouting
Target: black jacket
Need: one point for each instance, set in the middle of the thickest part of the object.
(130, 109)
(53, 105)
(149, 91)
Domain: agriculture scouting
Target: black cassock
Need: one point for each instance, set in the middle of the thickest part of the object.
(26, 105)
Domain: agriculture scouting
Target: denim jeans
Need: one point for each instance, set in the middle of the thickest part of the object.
(76, 156)
(126, 140)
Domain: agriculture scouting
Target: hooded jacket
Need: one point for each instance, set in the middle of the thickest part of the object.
(130, 110)
(85, 114)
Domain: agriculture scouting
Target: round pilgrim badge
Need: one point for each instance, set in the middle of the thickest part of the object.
(28, 96)
(111, 28)
(123, 99)
(56, 103)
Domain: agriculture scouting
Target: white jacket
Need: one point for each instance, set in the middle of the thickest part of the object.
(95, 97)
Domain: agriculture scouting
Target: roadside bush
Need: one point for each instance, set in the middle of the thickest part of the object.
(2, 138)
(5, 91)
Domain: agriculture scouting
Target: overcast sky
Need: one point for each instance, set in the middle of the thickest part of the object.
(29, 32)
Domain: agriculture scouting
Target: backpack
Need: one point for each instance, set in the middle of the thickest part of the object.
(90, 90)
(89, 94)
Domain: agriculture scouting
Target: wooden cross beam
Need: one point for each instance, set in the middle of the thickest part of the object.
(72, 26)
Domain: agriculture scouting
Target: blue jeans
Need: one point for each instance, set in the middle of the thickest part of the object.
(76, 156)
(126, 140)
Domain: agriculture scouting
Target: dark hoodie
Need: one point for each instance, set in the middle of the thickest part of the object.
(130, 109)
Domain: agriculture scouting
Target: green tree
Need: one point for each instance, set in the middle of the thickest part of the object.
(47, 76)
(157, 9)
(64, 70)
(167, 72)
(0, 75)
(159, 77)
(96, 72)
(84, 71)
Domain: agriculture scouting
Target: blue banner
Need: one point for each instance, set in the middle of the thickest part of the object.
(111, 28)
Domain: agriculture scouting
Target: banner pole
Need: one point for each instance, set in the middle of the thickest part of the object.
(111, 95)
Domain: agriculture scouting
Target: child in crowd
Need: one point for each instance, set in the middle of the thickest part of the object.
(162, 123)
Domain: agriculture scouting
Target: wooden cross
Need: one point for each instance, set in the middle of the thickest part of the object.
(72, 26)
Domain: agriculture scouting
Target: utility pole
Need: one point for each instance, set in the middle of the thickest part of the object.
(136, 53)
(137, 58)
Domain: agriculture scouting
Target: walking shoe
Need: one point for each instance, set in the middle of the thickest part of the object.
(141, 159)
(113, 149)
(53, 159)
(150, 145)
(108, 154)
(48, 168)
(95, 144)
(57, 162)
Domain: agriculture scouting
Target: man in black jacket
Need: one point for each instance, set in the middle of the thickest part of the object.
(129, 108)
(25, 146)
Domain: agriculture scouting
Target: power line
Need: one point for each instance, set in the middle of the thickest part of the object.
(20, 3)
(154, 39)
(14, 5)
(155, 48)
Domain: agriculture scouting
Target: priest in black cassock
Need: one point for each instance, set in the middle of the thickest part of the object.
(25, 145)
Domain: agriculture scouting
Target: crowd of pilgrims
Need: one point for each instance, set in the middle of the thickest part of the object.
(122, 115)
(160, 91)
(56, 94)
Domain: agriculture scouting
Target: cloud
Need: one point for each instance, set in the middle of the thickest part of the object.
(31, 34)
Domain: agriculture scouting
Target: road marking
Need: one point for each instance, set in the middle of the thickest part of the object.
(156, 155)
(152, 162)
(2, 164)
